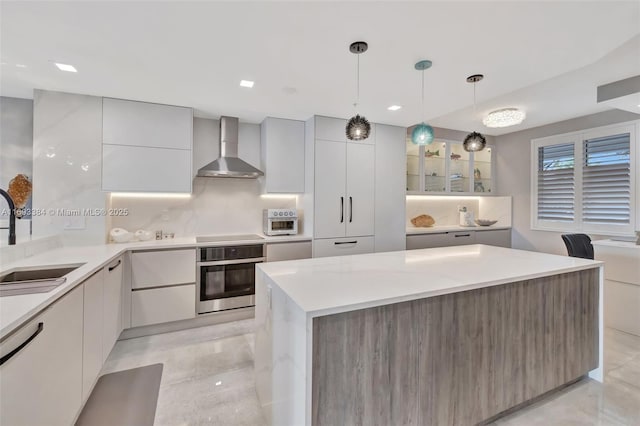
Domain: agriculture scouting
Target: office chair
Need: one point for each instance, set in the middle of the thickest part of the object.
(578, 245)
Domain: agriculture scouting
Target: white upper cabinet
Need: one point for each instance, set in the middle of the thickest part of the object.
(282, 149)
(335, 129)
(330, 188)
(146, 147)
(145, 124)
(360, 202)
(140, 169)
(344, 184)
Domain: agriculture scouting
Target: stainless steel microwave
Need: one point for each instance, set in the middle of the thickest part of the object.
(280, 222)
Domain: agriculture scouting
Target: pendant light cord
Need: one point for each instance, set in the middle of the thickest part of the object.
(423, 94)
(355, 106)
(474, 100)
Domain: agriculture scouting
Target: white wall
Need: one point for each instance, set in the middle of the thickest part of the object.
(513, 160)
(217, 205)
(16, 152)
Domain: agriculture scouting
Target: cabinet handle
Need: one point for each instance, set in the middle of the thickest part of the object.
(345, 242)
(350, 209)
(462, 235)
(111, 268)
(10, 355)
(341, 209)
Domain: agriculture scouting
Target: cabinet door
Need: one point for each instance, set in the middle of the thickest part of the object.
(283, 155)
(158, 305)
(360, 194)
(42, 383)
(330, 205)
(92, 332)
(500, 237)
(422, 241)
(112, 306)
(288, 251)
(146, 124)
(163, 268)
(342, 246)
(330, 129)
(141, 169)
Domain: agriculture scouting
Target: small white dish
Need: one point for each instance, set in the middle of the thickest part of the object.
(485, 222)
(143, 235)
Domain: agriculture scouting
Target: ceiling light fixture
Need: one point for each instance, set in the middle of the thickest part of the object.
(504, 118)
(422, 134)
(358, 126)
(247, 83)
(394, 107)
(474, 141)
(66, 67)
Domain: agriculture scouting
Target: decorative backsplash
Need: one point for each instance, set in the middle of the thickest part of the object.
(444, 209)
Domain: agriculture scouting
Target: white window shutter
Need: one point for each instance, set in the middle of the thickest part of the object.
(606, 180)
(556, 183)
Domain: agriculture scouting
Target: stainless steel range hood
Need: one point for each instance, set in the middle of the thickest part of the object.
(229, 165)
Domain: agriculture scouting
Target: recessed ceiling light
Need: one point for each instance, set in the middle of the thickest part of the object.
(66, 67)
(394, 107)
(21, 66)
(246, 83)
(504, 117)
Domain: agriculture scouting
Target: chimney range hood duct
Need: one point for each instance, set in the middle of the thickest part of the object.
(229, 165)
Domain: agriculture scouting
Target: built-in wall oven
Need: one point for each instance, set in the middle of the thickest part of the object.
(226, 277)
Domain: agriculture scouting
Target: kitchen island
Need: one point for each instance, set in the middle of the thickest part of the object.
(453, 335)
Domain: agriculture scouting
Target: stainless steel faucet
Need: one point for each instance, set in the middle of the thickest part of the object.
(12, 217)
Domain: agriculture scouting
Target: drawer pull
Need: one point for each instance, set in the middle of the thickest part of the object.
(462, 235)
(111, 268)
(345, 242)
(8, 356)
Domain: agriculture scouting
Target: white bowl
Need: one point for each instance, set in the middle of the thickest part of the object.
(120, 235)
(142, 235)
(485, 222)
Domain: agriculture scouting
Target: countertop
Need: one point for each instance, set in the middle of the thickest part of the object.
(16, 310)
(614, 243)
(324, 286)
(452, 228)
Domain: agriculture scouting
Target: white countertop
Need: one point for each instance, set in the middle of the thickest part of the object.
(613, 243)
(324, 286)
(16, 310)
(452, 228)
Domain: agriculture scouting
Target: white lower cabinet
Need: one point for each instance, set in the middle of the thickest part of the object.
(163, 267)
(500, 237)
(289, 251)
(342, 246)
(112, 306)
(158, 305)
(42, 383)
(92, 356)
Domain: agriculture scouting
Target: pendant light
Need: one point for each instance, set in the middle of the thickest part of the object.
(474, 141)
(358, 127)
(423, 133)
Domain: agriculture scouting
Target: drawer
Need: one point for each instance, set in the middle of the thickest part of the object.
(500, 237)
(289, 251)
(343, 246)
(163, 268)
(422, 241)
(622, 306)
(461, 238)
(158, 305)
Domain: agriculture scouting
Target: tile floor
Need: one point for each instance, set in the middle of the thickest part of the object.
(208, 379)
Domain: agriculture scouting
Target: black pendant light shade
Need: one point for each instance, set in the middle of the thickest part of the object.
(474, 142)
(358, 127)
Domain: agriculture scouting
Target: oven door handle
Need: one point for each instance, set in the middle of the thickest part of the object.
(231, 261)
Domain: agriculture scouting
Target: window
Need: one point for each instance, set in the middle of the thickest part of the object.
(584, 182)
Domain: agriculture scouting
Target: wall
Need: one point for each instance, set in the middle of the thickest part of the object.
(217, 205)
(513, 159)
(67, 158)
(16, 152)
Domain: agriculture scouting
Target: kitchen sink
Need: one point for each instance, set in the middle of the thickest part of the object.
(34, 280)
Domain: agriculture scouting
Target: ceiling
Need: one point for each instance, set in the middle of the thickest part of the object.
(544, 57)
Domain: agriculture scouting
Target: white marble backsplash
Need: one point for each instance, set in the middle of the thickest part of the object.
(216, 206)
(444, 209)
(27, 247)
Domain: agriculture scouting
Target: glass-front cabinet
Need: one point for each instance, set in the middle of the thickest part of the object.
(444, 167)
